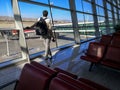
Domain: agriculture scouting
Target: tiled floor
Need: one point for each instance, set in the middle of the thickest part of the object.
(69, 59)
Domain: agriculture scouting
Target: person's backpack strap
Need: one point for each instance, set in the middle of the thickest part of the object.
(43, 18)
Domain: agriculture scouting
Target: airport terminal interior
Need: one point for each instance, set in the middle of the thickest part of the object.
(85, 52)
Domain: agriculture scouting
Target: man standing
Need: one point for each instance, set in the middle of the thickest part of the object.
(47, 38)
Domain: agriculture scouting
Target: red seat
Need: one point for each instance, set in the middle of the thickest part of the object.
(32, 78)
(93, 84)
(116, 41)
(106, 39)
(47, 69)
(59, 84)
(116, 34)
(51, 71)
(112, 57)
(65, 72)
(75, 82)
(94, 53)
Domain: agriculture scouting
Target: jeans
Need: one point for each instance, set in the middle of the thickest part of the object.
(47, 47)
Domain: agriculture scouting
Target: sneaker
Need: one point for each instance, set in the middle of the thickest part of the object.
(46, 58)
(48, 62)
(48, 65)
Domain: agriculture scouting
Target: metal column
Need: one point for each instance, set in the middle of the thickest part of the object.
(19, 25)
(106, 17)
(74, 21)
(97, 32)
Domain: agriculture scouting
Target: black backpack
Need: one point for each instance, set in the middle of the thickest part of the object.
(41, 27)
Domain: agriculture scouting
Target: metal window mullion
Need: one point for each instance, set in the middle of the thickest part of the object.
(117, 12)
(113, 16)
(106, 17)
(19, 25)
(97, 33)
(74, 21)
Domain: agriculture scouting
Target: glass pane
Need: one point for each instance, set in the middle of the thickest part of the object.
(89, 26)
(87, 9)
(86, 26)
(102, 25)
(10, 48)
(114, 2)
(114, 9)
(60, 3)
(115, 15)
(29, 17)
(6, 14)
(78, 5)
(109, 14)
(82, 29)
(99, 2)
(63, 25)
(108, 6)
(111, 26)
(88, 18)
(100, 11)
(42, 1)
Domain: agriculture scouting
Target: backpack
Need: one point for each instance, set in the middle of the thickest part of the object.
(41, 27)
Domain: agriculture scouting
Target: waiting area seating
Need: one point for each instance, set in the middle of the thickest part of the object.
(112, 57)
(94, 53)
(107, 54)
(116, 41)
(106, 39)
(35, 76)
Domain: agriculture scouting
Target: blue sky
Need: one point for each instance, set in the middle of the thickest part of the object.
(27, 9)
(5, 6)
(35, 11)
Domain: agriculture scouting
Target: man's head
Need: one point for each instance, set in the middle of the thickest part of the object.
(45, 13)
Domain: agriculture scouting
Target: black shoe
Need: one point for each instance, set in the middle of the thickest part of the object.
(46, 58)
(48, 65)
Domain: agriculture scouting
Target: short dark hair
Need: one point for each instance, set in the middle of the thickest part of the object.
(45, 13)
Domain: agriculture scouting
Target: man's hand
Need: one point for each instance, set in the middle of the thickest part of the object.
(53, 39)
(27, 28)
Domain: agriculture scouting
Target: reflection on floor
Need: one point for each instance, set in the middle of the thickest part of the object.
(69, 59)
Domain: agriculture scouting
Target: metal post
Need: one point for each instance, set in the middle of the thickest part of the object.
(97, 32)
(106, 17)
(7, 45)
(19, 25)
(52, 22)
(74, 21)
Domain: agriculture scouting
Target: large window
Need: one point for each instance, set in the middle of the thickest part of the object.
(106, 13)
(61, 23)
(29, 17)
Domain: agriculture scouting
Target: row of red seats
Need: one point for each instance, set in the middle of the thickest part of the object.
(35, 76)
(99, 53)
(110, 40)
